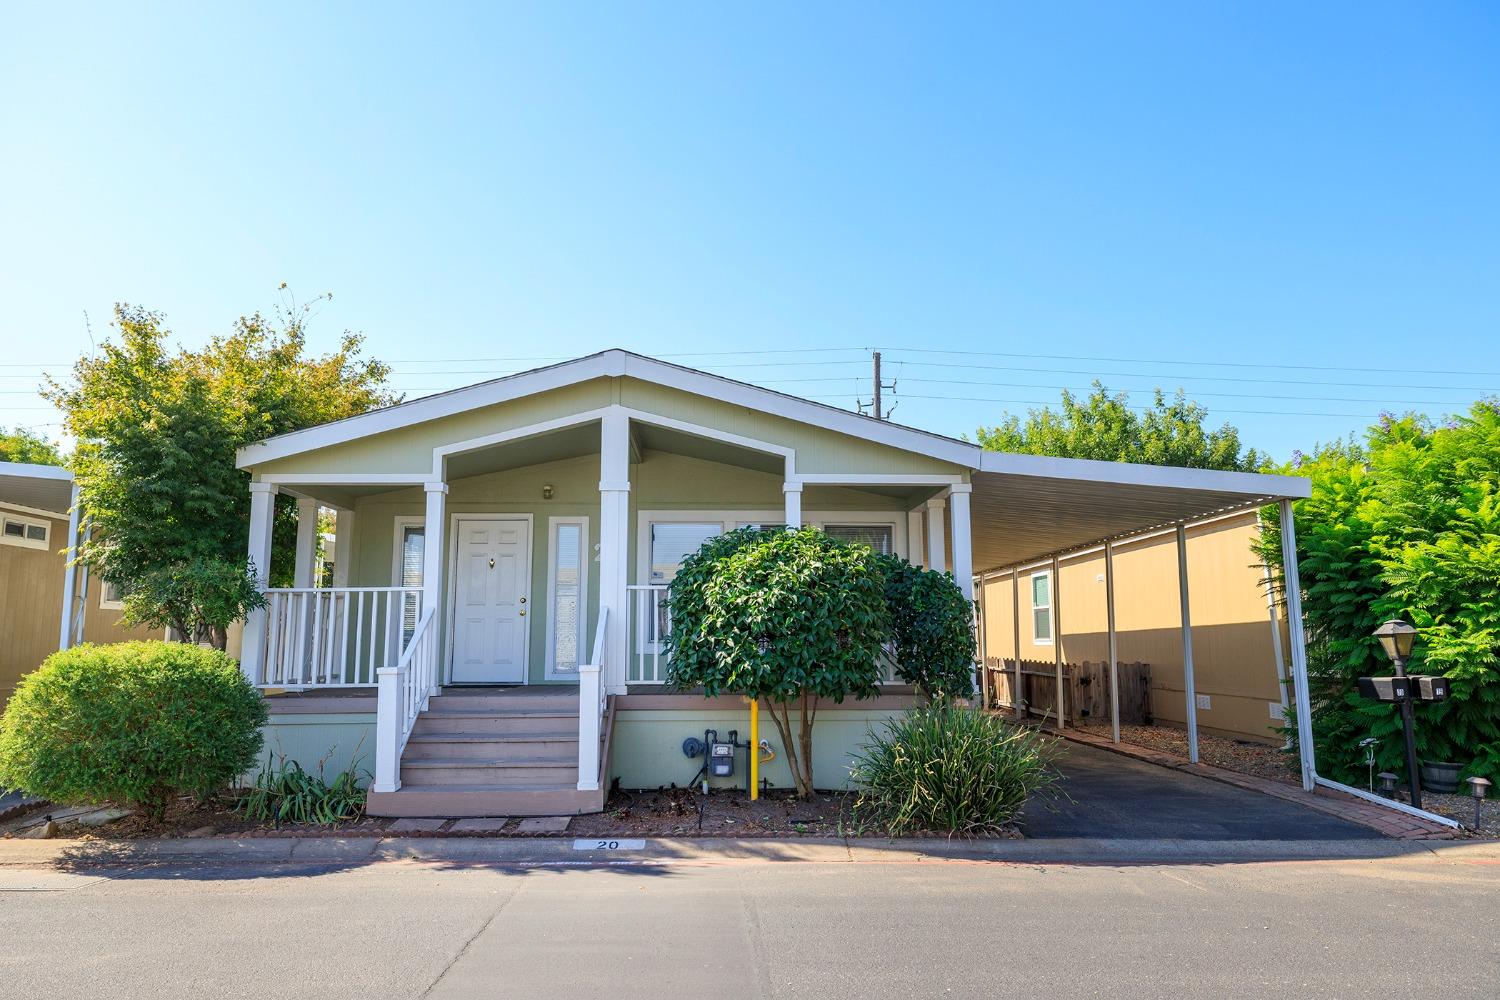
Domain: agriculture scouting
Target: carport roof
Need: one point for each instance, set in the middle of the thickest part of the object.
(1027, 507)
(40, 487)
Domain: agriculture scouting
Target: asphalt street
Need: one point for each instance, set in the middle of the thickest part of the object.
(850, 923)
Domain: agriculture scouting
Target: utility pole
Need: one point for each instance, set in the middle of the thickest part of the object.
(879, 413)
(877, 406)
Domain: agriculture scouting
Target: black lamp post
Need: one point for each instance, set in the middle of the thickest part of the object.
(1396, 638)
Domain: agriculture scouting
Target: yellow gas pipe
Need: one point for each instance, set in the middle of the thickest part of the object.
(754, 754)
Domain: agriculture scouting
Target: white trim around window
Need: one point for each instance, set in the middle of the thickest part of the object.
(1044, 608)
(26, 532)
(110, 598)
(555, 527)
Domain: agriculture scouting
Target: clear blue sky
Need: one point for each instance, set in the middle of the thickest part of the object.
(1228, 184)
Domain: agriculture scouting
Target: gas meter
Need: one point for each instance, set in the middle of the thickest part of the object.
(721, 757)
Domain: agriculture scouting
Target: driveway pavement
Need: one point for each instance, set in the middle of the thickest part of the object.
(1109, 795)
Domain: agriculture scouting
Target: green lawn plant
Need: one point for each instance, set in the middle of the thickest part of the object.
(132, 723)
(948, 769)
(285, 792)
(1405, 524)
(792, 618)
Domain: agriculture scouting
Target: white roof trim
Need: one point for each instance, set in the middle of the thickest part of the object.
(1255, 484)
(34, 471)
(612, 363)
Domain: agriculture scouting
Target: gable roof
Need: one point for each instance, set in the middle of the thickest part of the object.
(605, 364)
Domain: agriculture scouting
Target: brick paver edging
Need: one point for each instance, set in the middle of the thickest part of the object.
(1390, 822)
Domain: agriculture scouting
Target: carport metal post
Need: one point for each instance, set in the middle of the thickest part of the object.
(1292, 586)
(1114, 656)
(1057, 650)
(1187, 644)
(1015, 621)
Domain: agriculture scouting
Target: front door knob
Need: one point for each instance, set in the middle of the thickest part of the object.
(492, 562)
(523, 614)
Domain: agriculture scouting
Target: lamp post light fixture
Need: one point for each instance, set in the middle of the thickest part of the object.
(1477, 788)
(1396, 638)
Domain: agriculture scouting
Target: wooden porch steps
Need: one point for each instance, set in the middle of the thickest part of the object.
(492, 752)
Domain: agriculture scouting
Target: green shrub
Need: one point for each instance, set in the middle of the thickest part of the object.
(948, 769)
(931, 629)
(135, 723)
(287, 793)
(789, 617)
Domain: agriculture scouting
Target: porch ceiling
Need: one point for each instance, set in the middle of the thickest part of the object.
(43, 487)
(1019, 518)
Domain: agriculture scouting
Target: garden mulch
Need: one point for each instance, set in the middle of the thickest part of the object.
(672, 812)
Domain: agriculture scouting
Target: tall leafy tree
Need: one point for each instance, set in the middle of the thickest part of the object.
(1405, 523)
(22, 445)
(157, 431)
(1171, 431)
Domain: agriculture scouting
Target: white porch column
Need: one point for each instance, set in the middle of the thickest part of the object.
(1015, 621)
(1114, 652)
(70, 575)
(307, 542)
(1292, 584)
(614, 535)
(963, 549)
(937, 557)
(1187, 644)
(433, 542)
(914, 547)
(253, 642)
(1057, 645)
(343, 546)
(793, 494)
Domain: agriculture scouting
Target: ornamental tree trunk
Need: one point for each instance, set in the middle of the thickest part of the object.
(797, 746)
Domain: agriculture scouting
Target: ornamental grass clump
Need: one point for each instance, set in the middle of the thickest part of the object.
(948, 769)
(133, 723)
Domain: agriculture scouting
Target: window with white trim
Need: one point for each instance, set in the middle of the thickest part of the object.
(24, 531)
(411, 538)
(880, 537)
(111, 597)
(1041, 607)
(567, 594)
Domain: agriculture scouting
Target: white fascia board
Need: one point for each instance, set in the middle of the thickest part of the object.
(30, 470)
(434, 407)
(612, 363)
(1257, 484)
(803, 411)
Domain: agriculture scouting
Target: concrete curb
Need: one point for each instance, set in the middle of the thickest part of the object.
(559, 852)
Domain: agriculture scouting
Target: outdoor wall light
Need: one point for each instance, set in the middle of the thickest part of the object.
(1387, 784)
(1478, 788)
(1396, 638)
(547, 495)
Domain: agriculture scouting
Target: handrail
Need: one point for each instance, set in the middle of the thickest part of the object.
(593, 699)
(411, 644)
(599, 630)
(400, 697)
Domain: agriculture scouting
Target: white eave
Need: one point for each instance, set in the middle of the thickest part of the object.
(39, 487)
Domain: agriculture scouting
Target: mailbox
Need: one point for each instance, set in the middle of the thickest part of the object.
(1384, 688)
(1425, 687)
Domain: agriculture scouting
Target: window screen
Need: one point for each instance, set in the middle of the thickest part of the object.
(1041, 607)
(567, 598)
(876, 536)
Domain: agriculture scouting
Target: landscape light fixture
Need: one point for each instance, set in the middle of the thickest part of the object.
(1477, 788)
(1396, 638)
(1387, 784)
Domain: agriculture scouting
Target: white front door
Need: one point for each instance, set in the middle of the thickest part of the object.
(491, 599)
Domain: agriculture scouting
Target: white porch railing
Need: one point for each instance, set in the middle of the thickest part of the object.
(593, 699)
(401, 696)
(329, 637)
(650, 622)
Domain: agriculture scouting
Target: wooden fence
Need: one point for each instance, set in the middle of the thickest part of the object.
(1085, 690)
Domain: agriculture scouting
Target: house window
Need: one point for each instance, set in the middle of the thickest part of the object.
(111, 597)
(1041, 607)
(410, 549)
(879, 537)
(671, 544)
(21, 531)
(567, 589)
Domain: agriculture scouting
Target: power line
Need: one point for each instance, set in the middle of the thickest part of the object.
(1179, 361)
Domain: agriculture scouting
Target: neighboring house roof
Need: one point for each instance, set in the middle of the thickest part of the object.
(39, 487)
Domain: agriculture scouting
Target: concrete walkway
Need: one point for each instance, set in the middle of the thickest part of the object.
(1114, 796)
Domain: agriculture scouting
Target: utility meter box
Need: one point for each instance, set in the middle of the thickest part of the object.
(1384, 688)
(721, 759)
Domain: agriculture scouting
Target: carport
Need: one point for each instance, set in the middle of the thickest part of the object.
(1028, 510)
